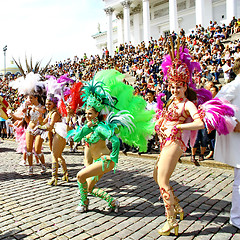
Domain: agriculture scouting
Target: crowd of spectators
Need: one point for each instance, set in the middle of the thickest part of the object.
(209, 46)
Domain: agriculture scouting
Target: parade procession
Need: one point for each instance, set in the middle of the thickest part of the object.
(133, 138)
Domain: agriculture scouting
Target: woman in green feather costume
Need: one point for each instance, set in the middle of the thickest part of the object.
(127, 115)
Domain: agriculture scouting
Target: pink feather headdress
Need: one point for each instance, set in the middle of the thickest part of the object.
(178, 66)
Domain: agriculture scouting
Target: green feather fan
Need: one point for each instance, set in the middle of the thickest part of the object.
(136, 105)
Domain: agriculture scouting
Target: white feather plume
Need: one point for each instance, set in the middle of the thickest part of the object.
(123, 118)
(26, 85)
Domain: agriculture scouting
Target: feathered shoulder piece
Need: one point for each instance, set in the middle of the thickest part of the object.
(122, 118)
(178, 66)
(218, 114)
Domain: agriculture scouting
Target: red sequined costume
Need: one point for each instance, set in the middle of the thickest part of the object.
(167, 119)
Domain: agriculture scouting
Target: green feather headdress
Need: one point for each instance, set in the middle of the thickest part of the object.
(96, 95)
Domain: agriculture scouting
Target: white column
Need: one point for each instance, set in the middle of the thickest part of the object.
(199, 7)
(109, 12)
(136, 12)
(126, 15)
(136, 28)
(203, 12)
(230, 9)
(146, 21)
(119, 17)
(173, 16)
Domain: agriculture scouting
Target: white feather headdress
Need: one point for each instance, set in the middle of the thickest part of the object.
(27, 85)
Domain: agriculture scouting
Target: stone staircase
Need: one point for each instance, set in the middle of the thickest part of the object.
(235, 36)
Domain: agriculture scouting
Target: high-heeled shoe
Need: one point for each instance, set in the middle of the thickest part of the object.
(177, 208)
(82, 208)
(169, 225)
(53, 181)
(65, 177)
(44, 169)
(30, 171)
(115, 205)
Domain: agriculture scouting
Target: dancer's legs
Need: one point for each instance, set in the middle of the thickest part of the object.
(50, 139)
(38, 148)
(95, 169)
(166, 164)
(58, 146)
(39, 153)
(29, 145)
(165, 167)
(86, 183)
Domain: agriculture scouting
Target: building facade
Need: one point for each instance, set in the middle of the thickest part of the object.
(138, 20)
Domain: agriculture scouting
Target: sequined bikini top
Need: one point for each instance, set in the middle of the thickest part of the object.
(172, 114)
(34, 114)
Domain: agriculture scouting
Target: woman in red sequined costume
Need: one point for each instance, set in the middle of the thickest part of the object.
(170, 124)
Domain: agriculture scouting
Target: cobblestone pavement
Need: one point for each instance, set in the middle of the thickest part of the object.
(30, 209)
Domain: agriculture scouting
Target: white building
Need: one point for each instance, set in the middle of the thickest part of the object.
(139, 20)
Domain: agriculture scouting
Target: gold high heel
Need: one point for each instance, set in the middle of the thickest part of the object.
(169, 225)
(178, 209)
(65, 177)
(170, 203)
(53, 181)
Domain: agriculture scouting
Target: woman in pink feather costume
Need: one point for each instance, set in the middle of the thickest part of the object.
(170, 123)
(178, 118)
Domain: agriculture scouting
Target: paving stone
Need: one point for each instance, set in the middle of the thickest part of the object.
(49, 236)
(82, 236)
(221, 235)
(73, 233)
(235, 236)
(62, 238)
(124, 233)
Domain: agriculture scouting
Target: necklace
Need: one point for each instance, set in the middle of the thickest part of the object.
(179, 100)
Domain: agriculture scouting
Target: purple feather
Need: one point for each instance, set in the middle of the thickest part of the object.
(66, 91)
(50, 76)
(203, 95)
(64, 78)
(159, 101)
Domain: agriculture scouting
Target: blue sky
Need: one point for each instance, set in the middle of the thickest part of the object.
(47, 29)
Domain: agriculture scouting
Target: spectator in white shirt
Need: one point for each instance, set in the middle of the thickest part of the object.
(151, 104)
(227, 67)
(237, 53)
